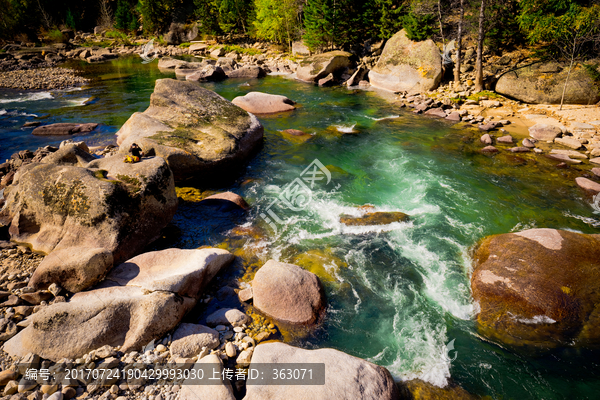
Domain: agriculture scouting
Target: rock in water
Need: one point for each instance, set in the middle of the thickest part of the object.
(407, 66)
(64, 129)
(86, 218)
(264, 103)
(312, 69)
(543, 84)
(288, 293)
(375, 218)
(539, 288)
(346, 377)
(198, 132)
(247, 72)
(132, 312)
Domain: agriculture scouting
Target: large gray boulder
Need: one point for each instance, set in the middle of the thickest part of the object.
(407, 66)
(128, 312)
(264, 103)
(346, 377)
(85, 219)
(198, 132)
(288, 293)
(542, 83)
(311, 69)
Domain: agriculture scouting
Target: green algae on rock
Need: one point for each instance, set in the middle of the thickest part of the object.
(199, 133)
(539, 288)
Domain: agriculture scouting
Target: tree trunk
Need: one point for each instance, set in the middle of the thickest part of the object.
(440, 21)
(562, 98)
(459, 44)
(480, 38)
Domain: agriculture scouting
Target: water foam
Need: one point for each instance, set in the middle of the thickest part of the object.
(28, 97)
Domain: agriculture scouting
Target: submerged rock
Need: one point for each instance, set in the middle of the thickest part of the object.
(263, 103)
(135, 310)
(288, 293)
(314, 68)
(198, 132)
(346, 377)
(407, 66)
(86, 218)
(375, 218)
(538, 288)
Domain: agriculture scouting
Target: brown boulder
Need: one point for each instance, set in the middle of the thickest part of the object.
(90, 216)
(288, 293)
(316, 67)
(538, 288)
(375, 218)
(64, 129)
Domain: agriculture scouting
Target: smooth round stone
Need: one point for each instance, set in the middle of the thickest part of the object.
(49, 389)
(26, 385)
(238, 329)
(221, 328)
(230, 350)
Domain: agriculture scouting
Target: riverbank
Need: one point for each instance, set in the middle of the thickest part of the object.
(406, 163)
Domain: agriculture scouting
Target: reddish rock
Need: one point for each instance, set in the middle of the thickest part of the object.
(288, 293)
(538, 287)
(226, 200)
(588, 185)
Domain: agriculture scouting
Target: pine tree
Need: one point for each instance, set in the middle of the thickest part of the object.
(319, 24)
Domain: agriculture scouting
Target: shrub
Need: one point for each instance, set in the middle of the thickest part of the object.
(418, 26)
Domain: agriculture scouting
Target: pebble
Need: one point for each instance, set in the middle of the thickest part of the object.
(41, 78)
(221, 328)
(56, 396)
(230, 349)
(26, 385)
(49, 389)
(161, 348)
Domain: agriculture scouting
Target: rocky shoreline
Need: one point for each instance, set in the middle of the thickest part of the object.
(97, 301)
(41, 78)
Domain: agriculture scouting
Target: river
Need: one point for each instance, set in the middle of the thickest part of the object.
(398, 294)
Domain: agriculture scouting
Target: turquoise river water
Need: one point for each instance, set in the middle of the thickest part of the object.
(398, 294)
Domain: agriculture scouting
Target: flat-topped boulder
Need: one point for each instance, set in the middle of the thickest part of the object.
(199, 133)
(85, 219)
(264, 103)
(538, 288)
(64, 128)
(542, 83)
(128, 310)
(314, 68)
(288, 293)
(407, 66)
(346, 377)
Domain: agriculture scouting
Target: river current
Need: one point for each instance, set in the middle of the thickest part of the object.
(398, 294)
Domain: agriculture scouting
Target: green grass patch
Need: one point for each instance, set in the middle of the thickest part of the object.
(485, 93)
(185, 45)
(55, 35)
(241, 50)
